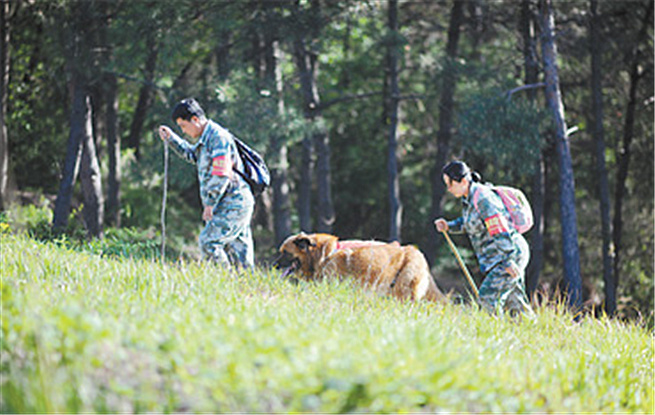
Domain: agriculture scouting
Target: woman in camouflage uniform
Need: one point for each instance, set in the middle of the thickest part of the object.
(226, 197)
(502, 252)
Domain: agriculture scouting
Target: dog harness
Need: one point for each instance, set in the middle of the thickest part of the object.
(355, 244)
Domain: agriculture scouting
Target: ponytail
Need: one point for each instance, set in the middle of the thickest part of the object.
(458, 170)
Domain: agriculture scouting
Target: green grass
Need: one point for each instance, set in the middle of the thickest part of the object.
(86, 333)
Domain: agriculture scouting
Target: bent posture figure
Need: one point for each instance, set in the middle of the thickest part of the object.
(226, 197)
(502, 252)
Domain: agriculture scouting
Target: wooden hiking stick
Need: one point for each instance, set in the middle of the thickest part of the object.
(461, 264)
(163, 203)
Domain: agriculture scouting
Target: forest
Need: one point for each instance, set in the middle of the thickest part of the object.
(356, 106)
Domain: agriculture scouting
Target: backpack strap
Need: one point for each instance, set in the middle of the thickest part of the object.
(476, 197)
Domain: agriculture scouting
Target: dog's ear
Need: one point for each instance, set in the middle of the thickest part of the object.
(303, 242)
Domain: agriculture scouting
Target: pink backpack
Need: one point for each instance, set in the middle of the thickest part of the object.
(517, 205)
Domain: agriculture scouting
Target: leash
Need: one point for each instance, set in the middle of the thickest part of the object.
(163, 203)
(461, 264)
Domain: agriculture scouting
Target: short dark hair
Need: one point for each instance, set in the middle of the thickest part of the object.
(186, 109)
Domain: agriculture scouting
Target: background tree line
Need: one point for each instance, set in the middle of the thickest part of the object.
(356, 105)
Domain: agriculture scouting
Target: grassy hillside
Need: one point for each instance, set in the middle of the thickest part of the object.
(85, 333)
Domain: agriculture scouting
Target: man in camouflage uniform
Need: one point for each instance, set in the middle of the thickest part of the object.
(227, 200)
(502, 252)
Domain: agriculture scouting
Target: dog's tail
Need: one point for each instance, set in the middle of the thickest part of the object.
(434, 293)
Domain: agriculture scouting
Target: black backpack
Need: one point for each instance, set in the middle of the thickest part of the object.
(255, 172)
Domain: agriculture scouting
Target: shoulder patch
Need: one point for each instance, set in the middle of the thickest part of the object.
(496, 224)
(221, 166)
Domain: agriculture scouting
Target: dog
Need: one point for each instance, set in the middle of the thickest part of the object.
(387, 268)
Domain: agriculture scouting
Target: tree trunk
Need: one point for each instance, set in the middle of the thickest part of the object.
(81, 147)
(72, 162)
(305, 186)
(307, 162)
(90, 179)
(595, 43)
(323, 181)
(392, 102)
(264, 65)
(444, 134)
(570, 250)
(476, 26)
(537, 240)
(4, 85)
(145, 95)
(267, 55)
(222, 55)
(105, 111)
(279, 179)
(81, 153)
(114, 151)
(280, 185)
(307, 62)
(628, 134)
(531, 76)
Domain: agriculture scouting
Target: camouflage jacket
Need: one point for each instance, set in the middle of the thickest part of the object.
(214, 142)
(487, 225)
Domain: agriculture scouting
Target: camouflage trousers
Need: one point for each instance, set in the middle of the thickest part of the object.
(502, 293)
(227, 237)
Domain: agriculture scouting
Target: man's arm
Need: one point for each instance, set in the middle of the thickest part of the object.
(181, 146)
(215, 177)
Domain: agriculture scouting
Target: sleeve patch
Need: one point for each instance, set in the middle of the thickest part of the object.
(496, 224)
(221, 166)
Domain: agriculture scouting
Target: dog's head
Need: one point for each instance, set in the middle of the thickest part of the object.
(300, 254)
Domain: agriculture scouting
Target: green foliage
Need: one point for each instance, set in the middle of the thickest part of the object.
(359, 172)
(250, 110)
(506, 133)
(141, 207)
(141, 201)
(85, 333)
(30, 217)
(36, 221)
(638, 284)
(128, 242)
(214, 50)
(36, 136)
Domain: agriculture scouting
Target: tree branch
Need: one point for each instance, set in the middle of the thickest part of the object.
(524, 87)
(354, 97)
(139, 80)
(346, 98)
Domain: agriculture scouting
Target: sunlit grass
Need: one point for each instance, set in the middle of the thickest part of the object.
(85, 333)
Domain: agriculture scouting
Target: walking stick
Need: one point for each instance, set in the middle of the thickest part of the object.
(163, 203)
(461, 264)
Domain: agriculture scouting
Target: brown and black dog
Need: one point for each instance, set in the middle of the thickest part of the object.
(387, 268)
